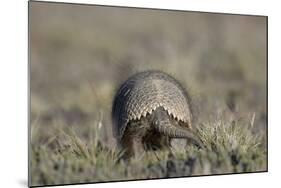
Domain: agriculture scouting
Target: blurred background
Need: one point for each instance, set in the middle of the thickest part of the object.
(79, 56)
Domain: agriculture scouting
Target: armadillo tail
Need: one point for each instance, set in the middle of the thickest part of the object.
(166, 128)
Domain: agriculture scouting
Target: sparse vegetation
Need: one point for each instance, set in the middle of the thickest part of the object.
(79, 57)
(231, 147)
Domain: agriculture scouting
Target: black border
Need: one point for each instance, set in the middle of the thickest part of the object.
(131, 7)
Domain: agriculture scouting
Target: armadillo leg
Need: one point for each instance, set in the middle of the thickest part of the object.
(132, 146)
(137, 147)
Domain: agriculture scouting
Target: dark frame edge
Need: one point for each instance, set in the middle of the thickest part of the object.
(267, 145)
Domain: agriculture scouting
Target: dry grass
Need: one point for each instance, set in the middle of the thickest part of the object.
(231, 147)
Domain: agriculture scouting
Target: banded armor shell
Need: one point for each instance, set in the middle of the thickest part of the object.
(142, 93)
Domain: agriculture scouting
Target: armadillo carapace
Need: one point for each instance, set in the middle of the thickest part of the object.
(150, 109)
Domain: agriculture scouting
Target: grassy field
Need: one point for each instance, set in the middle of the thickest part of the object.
(231, 147)
(81, 54)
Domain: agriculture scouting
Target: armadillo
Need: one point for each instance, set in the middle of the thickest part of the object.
(149, 109)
